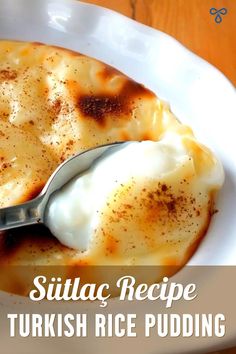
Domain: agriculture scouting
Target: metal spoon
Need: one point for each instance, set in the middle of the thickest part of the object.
(33, 212)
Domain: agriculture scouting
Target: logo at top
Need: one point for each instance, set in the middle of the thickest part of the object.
(218, 13)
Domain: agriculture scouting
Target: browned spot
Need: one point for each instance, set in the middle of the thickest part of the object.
(7, 75)
(102, 106)
(34, 192)
(147, 136)
(37, 44)
(98, 107)
(108, 72)
(134, 90)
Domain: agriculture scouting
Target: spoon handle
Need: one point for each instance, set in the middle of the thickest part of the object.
(21, 215)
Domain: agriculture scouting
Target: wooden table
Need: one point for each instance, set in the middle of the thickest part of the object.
(190, 22)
